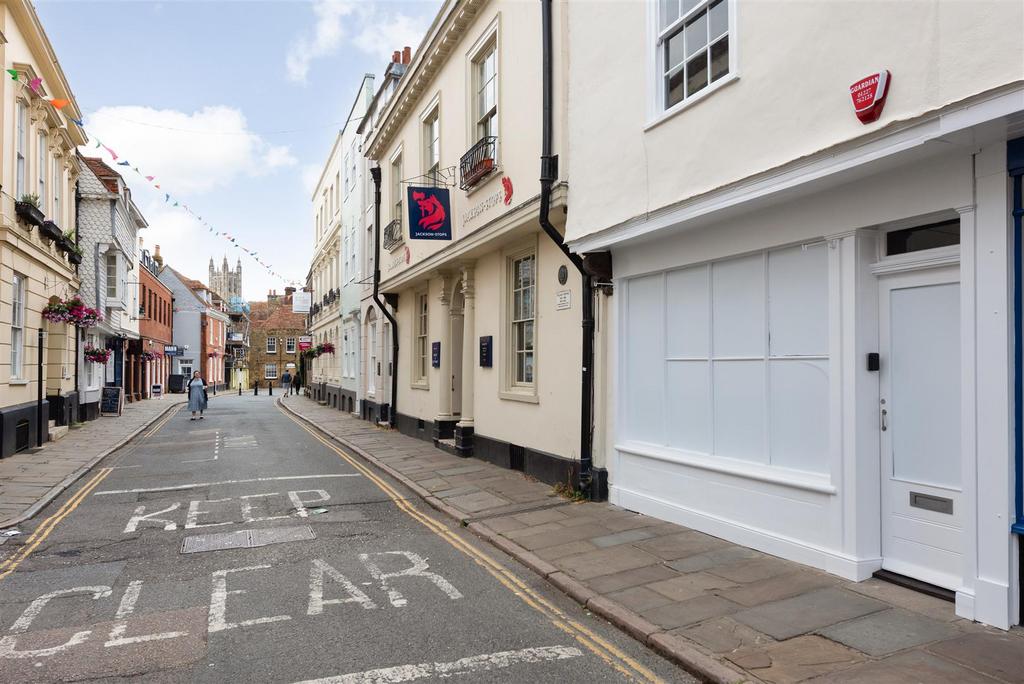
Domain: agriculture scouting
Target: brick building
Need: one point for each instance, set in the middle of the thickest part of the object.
(274, 339)
(156, 315)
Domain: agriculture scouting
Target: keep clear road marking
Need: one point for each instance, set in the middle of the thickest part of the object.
(613, 656)
(196, 485)
(479, 663)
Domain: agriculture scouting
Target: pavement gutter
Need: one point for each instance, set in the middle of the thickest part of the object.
(680, 650)
(57, 489)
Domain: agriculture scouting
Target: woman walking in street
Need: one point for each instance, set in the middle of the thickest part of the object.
(196, 395)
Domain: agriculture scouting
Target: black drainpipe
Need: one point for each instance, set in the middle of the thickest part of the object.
(392, 412)
(548, 175)
(78, 331)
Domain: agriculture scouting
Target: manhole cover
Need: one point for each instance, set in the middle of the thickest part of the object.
(246, 539)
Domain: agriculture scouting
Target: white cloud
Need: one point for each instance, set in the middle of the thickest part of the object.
(382, 34)
(195, 152)
(325, 39)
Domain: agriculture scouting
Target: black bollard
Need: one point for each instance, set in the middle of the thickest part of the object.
(270, 388)
(256, 388)
(239, 389)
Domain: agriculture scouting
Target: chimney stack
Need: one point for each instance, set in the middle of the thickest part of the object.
(406, 55)
(396, 57)
(156, 256)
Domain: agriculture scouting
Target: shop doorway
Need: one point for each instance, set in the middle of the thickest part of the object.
(920, 424)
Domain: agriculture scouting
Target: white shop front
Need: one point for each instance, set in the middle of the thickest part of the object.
(820, 365)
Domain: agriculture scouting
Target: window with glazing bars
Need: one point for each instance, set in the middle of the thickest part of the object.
(523, 284)
(693, 42)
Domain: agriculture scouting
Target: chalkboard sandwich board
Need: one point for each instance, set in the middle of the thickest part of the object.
(111, 401)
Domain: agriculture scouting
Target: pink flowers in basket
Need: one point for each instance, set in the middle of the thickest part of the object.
(96, 354)
(72, 311)
(149, 356)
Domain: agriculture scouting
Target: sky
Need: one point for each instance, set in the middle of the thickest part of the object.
(232, 106)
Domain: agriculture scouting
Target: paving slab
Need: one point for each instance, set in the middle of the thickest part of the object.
(915, 601)
(797, 659)
(912, 667)
(808, 612)
(585, 566)
(724, 635)
(779, 587)
(621, 538)
(691, 611)
(998, 654)
(888, 631)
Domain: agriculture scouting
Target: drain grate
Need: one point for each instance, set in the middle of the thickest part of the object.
(246, 539)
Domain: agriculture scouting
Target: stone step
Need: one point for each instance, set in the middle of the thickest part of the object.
(58, 431)
(51, 423)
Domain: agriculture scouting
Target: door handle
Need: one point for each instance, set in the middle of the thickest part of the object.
(885, 425)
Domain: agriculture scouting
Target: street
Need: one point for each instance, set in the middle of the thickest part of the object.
(243, 547)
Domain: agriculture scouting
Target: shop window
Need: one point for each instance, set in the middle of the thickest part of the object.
(931, 236)
(731, 358)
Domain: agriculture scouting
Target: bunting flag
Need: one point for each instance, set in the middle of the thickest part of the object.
(60, 103)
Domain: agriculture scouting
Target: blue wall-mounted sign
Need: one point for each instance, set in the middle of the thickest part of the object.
(486, 344)
(435, 354)
(430, 214)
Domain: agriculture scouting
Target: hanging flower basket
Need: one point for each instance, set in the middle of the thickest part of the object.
(96, 354)
(81, 315)
(326, 348)
(57, 312)
(149, 356)
(213, 355)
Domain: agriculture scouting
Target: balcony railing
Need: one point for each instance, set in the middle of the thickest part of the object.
(393, 235)
(478, 162)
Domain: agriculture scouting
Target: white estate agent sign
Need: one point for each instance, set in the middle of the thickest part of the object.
(301, 301)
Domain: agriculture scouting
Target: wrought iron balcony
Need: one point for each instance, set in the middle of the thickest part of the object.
(478, 162)
(392, 235)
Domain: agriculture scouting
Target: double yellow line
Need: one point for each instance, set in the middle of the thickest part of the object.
(8, 565)
(600, 647)
(43, 531)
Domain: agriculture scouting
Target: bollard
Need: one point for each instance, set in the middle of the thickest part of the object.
(239, 389)
(270, 388)
(256, 388)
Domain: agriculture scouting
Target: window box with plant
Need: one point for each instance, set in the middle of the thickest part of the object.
(70, 247)
(51, 231)
(27, 209)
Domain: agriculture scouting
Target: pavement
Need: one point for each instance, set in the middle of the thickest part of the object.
(248, 547)
(32, 478)
(724, 612)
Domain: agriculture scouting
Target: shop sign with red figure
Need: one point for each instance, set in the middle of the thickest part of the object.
(429, 214)
(869, 95)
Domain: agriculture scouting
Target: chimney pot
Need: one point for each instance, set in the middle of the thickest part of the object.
(396, 57)
(406, 55)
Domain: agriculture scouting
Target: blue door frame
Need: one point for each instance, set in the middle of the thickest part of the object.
(1015, 168)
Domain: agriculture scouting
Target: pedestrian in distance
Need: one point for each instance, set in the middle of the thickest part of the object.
(286, 383)
(197, 397)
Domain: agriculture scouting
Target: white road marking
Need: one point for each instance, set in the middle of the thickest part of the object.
(196, 485)
(219, 602)
(300, 504)
(192, 519)
(480, 663)
(8, 644)
(316, 589)
(124, 611)
(417, 569)
(216, 446)
(122, 467)
(138, 517)
(247, 515)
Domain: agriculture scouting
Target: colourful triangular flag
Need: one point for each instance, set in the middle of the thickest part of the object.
(150, 178)
(124, 163)
(113, 154)
(13, 73)
(34, 84)
(59, 104)
(78, 122)
(167, 198)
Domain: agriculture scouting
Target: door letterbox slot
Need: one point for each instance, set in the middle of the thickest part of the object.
(931, 503)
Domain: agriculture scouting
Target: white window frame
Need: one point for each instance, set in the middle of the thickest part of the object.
(19, 291)
(512, 388)
(421, 342)
(430, 129)
(487, 44)
(271, 345)
(21, 145)
(371, 374)
(91, 369)
(397, 194)
(270, 371)
(289, 345)
(41, 171)
(110, 262)
(657, 112)
(58, 183)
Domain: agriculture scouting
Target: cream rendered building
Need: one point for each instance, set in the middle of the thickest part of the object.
(37, 156)
(812, 338)
(488, 328)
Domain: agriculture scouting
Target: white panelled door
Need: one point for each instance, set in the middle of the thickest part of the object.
(919, 410)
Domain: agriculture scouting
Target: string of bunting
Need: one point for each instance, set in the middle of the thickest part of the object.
(35, 86)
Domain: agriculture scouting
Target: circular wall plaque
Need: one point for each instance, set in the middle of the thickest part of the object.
(563, 275)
